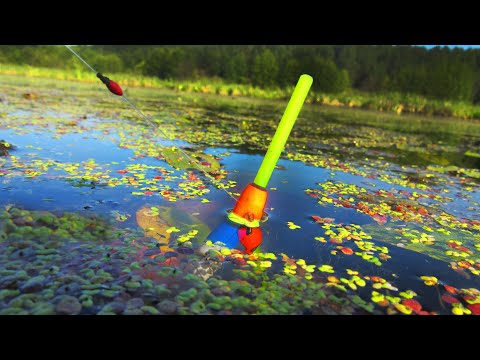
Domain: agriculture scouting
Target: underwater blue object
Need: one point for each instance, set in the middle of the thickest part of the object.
(227, 233)
(232, 235)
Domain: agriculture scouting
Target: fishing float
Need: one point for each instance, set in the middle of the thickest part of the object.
(242, 225)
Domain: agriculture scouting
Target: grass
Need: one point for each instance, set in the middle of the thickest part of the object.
(386, 102)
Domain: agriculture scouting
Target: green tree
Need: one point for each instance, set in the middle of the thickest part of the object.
(265, 69)
(236, 68)
(164, 62)
(327, 77)
(291, 72)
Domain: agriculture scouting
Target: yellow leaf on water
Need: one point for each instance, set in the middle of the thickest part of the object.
(403, 309)
(429, 280)
(225, 252)
(292, 226)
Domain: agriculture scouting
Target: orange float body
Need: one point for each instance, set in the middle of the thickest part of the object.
(251, 203)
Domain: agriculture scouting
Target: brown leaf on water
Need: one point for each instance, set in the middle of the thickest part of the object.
(30, 95)
(154, 227)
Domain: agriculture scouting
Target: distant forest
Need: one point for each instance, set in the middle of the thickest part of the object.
(437, 73)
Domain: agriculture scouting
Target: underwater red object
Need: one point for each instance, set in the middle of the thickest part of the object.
(380, 219)
(173, 261)
(239, 261)
(148, 274)
(412, 304)
(250, 238)
(450, 299)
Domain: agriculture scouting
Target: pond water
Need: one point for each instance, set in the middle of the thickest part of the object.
(367, 212)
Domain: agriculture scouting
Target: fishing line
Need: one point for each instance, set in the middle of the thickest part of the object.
(73, 51)
(115, 89)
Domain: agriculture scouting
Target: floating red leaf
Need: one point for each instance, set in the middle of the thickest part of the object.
(450, 289)
(336, 240)
(347, 251)
(464, 264)
(474, 308)
(452, 244)
(423, 211)
(122, 171)
(321, 220)
(412, 304)
(469, 298)
(459, 247)
(423, 312)
(464, 249)
(149, 193)
(383, 303)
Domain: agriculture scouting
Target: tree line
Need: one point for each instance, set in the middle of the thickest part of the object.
(437, 73)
